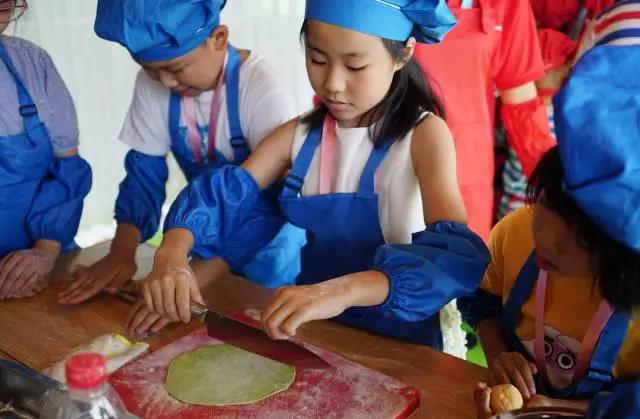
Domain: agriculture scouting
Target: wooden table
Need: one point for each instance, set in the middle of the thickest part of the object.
(38, 332)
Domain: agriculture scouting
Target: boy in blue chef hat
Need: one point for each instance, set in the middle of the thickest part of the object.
(209, 104)
(557, 309)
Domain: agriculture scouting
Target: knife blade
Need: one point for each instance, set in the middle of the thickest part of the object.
(245, 333)
(239, 330)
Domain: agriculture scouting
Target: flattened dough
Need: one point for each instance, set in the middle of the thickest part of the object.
(223, 375)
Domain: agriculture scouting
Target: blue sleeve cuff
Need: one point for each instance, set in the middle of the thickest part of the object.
(213, 207)
(444, 262)
(480, 306)
(142, 192)
(57, 207)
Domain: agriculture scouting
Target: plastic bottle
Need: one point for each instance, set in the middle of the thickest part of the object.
(90, 396)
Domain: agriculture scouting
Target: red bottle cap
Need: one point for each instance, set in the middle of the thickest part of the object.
(86, 371)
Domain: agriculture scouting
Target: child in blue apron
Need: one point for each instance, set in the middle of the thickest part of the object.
(555, 308)
(370, 176)
(204, 101)
(43, 180)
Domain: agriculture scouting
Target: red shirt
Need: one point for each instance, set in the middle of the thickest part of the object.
(494, 46)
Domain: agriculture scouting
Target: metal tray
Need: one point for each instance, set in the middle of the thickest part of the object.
(542, 413)
(23, 389)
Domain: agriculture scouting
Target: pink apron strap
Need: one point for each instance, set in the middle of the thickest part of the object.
(327, 155)
(216, 105)
(189, 114)
(538, 346)
(591, 338)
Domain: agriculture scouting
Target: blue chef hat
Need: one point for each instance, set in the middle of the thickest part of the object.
(598, 128)
(426, 20)
(157, 30)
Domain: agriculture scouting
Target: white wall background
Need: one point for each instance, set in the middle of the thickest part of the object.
(100, 76)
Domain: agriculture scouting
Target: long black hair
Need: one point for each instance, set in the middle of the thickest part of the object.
(617, 266)
(407, 99)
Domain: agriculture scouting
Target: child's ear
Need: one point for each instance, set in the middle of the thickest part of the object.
(409, 49)
(219, 38)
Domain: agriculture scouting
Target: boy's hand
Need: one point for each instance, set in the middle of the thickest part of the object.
(170, 288)
(109, 273)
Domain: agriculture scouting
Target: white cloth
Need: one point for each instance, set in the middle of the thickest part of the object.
(399, 200)
(117, 349)
(264, 105)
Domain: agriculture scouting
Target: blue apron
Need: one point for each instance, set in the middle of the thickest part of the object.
(343, 234)
(599, 375)
(24, 160)
(277, 263)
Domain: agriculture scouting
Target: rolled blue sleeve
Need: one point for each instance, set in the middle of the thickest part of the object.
(142, 192)
(444, 262)
(227, 214)
(57, 207)
(261, 225)
(479, 306)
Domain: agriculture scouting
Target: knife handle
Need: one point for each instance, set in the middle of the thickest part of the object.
(197, 309)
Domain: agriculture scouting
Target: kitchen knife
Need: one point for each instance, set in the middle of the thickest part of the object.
(244, 332)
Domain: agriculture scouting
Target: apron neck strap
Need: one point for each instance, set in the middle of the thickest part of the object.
(520, 291)
(368, 178)
(239, 144)
(295, 180)
(28, 110)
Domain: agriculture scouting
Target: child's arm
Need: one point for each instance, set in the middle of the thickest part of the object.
(410, 281)
(52, 221)
(213, 208)
(505, 367)
(138, 210)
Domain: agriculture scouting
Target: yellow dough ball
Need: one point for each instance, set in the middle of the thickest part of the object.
(505, 398)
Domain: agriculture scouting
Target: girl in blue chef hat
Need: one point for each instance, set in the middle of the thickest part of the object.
(370, 175)
(557, 306)
(207, 103)
(43, 180)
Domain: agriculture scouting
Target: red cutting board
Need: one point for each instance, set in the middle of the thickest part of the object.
(344, 390)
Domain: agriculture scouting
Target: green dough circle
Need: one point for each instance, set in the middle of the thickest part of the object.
(223, 375)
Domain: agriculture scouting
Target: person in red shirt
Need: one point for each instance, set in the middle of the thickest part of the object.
(493, 47)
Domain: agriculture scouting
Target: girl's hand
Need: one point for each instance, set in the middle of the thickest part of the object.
(140, 320)
(482, 399)
(513, 368)
(25, 273)
(109, 273)
(290, 307)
